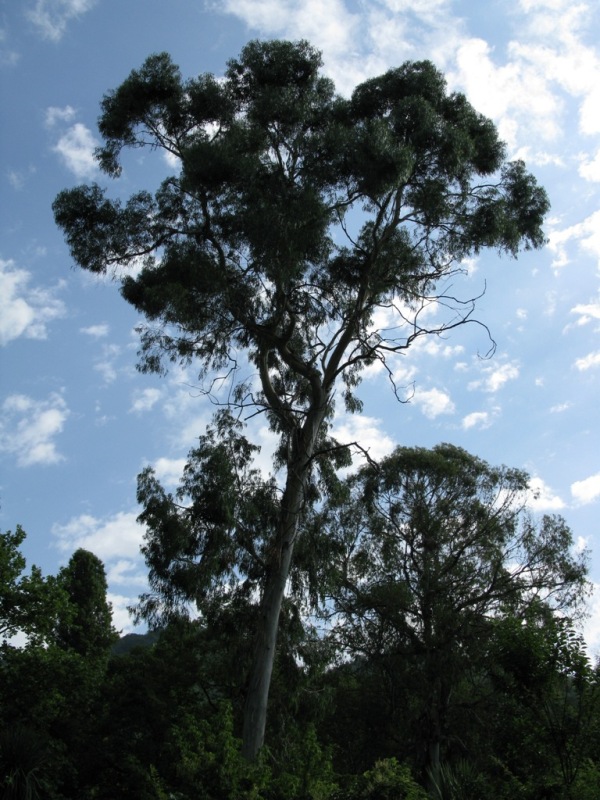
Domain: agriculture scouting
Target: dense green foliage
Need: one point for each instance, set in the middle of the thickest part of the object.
(450, 665)
(295, 215)
(29, 604)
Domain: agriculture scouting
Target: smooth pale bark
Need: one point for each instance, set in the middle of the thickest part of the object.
(255, 711)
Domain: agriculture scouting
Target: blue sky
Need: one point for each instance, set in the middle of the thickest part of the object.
(77, 422)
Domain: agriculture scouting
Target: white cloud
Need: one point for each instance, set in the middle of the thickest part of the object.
(587, 490)
(433, 402)
(56, 114)
(542, 497)
(328, 26)
(434, 347)
(96, 331)
(587, 312)
(145, 400)
(186, 407)
(538, 158)
(51, 17)
(25, 310)
(76, 144)
(512, 94)
(126, 572)
(76, 148)
(560, 407)
(105, 365)
(18, 178)
(28, 428)
(557, 47)
(116, 537)
(589, 361)
(356, 46)
(478, 419)
(169, 470)
(367, 431)
(589, 119)
(522, 89)
(495, 377)
(120, 615)
(585, 234)
(589, 169)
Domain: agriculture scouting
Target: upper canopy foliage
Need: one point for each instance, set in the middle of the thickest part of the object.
(433, 544)
(250, 244)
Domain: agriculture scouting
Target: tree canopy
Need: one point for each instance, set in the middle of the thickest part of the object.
(29, 603)
(424, 554)
(87, 627)
(250, 248)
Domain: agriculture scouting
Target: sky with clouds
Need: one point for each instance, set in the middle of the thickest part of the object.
(78, 423)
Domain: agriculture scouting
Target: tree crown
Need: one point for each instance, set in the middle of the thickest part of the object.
(251, 245)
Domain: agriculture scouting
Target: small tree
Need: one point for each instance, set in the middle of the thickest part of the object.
(250, 247)
(29, 603)
(87, 626)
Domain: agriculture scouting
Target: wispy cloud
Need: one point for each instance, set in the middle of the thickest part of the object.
(587, 312)
(19, 177)
(591, 625)
(96, 331)
(589, 361)
(589, 167)
(560, 407)
(8, 56)
(26, 310)
(56, 114)
(28, 428)
(585, 235)
(477, 419)
(106, 364)
(145, 400)
(494, 377)
(51, 17)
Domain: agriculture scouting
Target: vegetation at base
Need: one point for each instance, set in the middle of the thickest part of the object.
(412, 674)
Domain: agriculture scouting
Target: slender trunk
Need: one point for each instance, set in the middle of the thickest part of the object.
(255, 710)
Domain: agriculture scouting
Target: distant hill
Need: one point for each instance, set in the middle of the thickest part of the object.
(130, 641)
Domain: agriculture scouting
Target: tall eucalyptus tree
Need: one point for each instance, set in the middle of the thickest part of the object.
(251, 247)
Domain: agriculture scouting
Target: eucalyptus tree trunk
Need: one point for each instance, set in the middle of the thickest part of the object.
(255, 711)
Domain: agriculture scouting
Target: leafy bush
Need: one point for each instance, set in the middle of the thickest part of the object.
(388, 780)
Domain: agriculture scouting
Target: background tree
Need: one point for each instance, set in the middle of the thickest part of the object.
(207, 546)
(428, 550)
(250, 247)
(29, 603)
(87, 626)
(51, 687)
